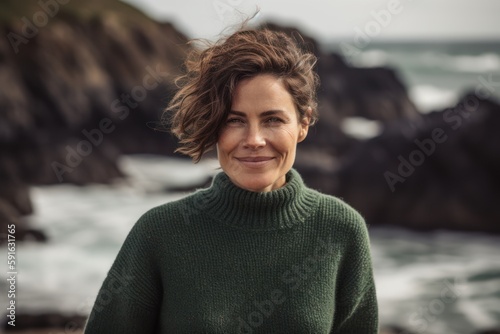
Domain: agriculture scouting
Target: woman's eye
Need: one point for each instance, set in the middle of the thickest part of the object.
(234, 120)
(274, 120)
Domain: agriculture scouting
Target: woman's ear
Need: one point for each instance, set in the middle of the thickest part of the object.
(304, 125)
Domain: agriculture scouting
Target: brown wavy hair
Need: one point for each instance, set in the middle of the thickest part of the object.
(201, 105)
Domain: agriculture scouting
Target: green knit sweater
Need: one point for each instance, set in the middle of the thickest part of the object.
(227, 260)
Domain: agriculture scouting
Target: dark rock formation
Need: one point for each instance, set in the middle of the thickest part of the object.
(443, 172)
(77, 92)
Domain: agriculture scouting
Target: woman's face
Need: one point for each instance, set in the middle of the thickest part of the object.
(257, 143)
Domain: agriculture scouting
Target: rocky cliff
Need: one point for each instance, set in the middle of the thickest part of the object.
(442, 172)
(80, 82)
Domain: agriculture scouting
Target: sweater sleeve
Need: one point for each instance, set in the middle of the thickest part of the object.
(356, 300)
(130, 297)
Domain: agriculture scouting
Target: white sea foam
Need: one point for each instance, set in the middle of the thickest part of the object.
(372, 58)
(486, 62)
(360, 127)
(428, 97)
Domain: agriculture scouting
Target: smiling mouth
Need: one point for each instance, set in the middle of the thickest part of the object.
(255, 162)
(254, 159)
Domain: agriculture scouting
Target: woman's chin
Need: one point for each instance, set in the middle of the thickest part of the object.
(258, 183)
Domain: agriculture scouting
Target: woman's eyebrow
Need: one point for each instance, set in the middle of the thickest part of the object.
(237, 113)
(273, 112)
(263, 114)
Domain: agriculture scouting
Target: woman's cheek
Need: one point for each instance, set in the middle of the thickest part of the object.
(288, 132)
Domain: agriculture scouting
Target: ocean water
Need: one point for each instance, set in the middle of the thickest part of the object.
(442, 282)
(436, 73)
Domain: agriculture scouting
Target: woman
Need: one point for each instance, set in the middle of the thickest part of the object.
(257, 251)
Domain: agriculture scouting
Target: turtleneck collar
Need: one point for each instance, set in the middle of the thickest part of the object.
(281, 208)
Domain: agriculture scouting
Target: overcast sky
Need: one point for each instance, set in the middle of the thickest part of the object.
(339, 19)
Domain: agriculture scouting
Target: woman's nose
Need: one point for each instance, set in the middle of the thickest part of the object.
(254, 137)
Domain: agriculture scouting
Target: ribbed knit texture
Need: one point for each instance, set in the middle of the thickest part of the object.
(227, 260)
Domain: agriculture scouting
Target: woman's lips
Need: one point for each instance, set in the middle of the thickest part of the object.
(254, 162)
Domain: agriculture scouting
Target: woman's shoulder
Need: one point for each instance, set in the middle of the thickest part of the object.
(340, 220)
(333, 208)
(336, 205)
(167, 215)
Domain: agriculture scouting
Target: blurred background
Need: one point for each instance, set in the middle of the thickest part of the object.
(408, 135)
